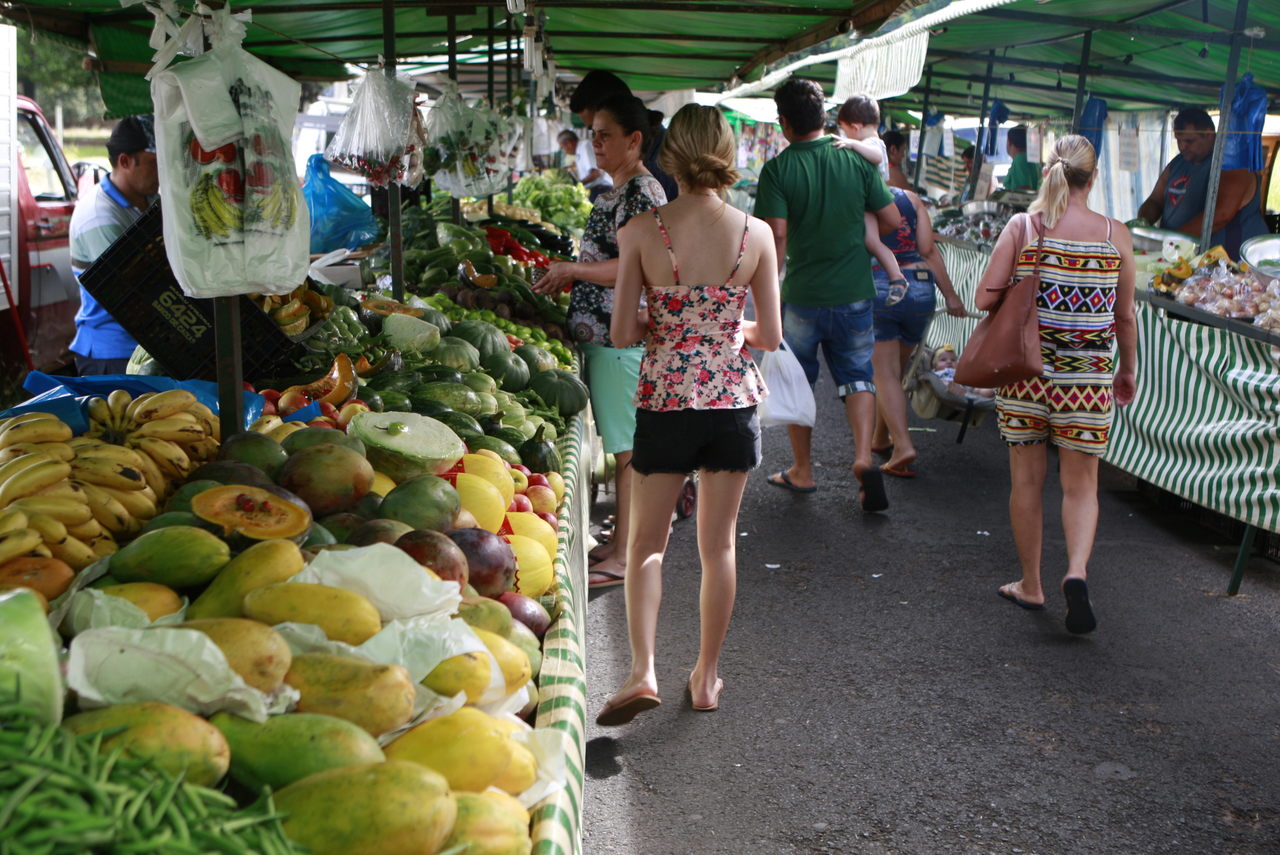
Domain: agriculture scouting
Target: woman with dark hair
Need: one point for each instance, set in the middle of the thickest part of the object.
(620, 129)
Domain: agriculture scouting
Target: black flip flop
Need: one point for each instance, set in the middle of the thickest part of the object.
(1080, 619)
(1017, 601)
(784, 481)
(872, 489)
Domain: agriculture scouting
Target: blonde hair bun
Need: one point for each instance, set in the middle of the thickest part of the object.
(699, 148)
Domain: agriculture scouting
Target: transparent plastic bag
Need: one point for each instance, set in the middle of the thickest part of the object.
(339, 218)
(473, 148)
(374, 137)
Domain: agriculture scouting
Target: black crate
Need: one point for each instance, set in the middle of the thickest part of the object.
(134, 283)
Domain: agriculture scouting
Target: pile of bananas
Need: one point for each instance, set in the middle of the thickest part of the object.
(280, 206)
(213, 215)
(160, 435)
(297, 310)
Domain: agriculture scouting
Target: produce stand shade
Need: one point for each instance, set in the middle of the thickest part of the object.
(134, 283)
(557, 821)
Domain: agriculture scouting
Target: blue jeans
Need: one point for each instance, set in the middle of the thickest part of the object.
(907, 320)
(847, 338)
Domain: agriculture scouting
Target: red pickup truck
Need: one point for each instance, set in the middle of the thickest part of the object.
(43, 195)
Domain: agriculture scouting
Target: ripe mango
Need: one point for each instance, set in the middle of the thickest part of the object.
(264, 563)
(154, 599)
(254, 650)
(378, 698)
(171, 738)
(490, 824)
(465, 746)
(466, 672)
(288, 748)
(515, 665)
(391, 808)
(343, 615)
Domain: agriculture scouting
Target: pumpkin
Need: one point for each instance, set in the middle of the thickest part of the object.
(560, 389)
(511, 372)
(537, 358)
(247, 515)
(456, 353)
(486, 338)
(434, 316)
(375, 310)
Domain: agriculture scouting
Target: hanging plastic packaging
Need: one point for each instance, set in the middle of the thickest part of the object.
(1093, 120)
(234, 222)
(339, 218)
(473, 148)
(999, 115)
(1242, 149)
(374, 139)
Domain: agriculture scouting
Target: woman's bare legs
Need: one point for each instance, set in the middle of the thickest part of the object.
(1027, 467)
(719, 496)
(1078, 473)
(891, 403)
(653, 500)
(614, 560)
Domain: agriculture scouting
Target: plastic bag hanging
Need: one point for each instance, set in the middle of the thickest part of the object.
(471, 148)
(374, 137)
(339, 218)
(1092, 121)
(1242, 149)
(999, 115)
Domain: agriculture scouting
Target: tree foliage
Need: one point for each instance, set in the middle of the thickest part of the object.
(52, 72)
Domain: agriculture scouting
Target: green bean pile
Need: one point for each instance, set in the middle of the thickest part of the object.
(60, 796)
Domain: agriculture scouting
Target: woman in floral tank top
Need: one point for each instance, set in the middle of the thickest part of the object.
(694, 260)
(619, 137)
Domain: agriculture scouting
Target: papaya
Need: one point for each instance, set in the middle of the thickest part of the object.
(245, 515)
(175, 740)
(181, 499)
(47, 576)
(378, 698)
(29, 671)
(230, 472)
(343, 615)
(288, 748)
(485, 613)
(524, 638)
(255, 651)
(391, 808)
(466, 672)
(465, 746)
(521, 773)
(171, 518)
(515, 665)
(154, 599)
(179, 556)
(490, 824)
(264, 563)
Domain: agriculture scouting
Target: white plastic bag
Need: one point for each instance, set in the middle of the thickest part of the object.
(234, 218)
(790, 400)
(474, 147)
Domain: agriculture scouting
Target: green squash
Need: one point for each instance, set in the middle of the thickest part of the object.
(539, 454)
(456, 353)
(560, 389)
(537, 358)
(486, 338)
(510, 371)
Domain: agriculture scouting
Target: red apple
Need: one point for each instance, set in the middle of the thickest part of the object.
(293, 399)
(521, 468)
(434, 550)
(322, 421)
(269, 408)
(537, 479)
(543, 499)
(349, 411)
(272, 395)
(520, 503)
(551, 519)
(328, 410)
(260, 175)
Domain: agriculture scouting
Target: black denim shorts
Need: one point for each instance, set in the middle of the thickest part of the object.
(679, 442)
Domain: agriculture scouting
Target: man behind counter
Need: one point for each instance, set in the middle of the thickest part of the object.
(1023, 175)
(1178, 200)
(101, 345)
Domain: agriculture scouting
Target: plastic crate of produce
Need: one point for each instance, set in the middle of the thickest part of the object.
(134, 283)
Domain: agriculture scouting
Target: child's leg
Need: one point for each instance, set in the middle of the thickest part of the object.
(878, 250)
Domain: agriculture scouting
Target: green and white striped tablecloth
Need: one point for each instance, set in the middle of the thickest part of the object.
(557, 820)
(1206, 422)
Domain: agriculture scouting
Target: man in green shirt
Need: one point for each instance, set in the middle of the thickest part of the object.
(814, 197)
(1022, 176)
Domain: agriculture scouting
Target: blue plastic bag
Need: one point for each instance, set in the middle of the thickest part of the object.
(1242, 149)
(1093, 118)
(339, 218)
(999, 115)
(64, 396)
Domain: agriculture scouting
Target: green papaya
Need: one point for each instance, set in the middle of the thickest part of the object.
(180, 556)
(288, 748)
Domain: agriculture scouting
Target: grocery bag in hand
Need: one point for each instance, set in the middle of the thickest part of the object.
(234, 218)
(790, 400)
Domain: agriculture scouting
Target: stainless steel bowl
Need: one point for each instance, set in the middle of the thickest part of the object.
(1259, 249)
(981, 206)
(1151, 239)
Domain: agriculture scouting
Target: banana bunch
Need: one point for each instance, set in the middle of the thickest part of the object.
(297, 310)
(151, 441)
(280, 206)
(214, 216)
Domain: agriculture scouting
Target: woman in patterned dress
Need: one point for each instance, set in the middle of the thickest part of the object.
(620, 132)
(695, 260)
(1086, 315)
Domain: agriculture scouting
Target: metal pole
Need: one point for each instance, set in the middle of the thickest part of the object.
(510, 92)
(1081, 78)
(924, 111)
(394, 233)
(455, 207)
(982, 127)
(489, 88)
(1224, 126)
(227, 362)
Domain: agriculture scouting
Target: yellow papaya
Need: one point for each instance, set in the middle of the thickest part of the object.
(173, 739)
(466, 672)
(521, 773)
(391, 808)
(515, 665)
(378, 698)
(465, 746)
(490, 824)
(254, 650)
(154, 599)
(264, 563)
(343, 615)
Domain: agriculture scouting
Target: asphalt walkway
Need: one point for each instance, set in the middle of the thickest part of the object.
(880, 698)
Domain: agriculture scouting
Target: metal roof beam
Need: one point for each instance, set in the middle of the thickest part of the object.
(1085, 24)
(872, 12)
(1074, 68)
(1046, 87)
(484, 31)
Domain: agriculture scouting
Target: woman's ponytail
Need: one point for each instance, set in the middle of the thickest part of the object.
(1071, 164)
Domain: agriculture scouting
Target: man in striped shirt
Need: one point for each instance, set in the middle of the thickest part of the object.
(101, 346)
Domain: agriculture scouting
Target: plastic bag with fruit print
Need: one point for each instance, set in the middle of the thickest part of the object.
(234, 219)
